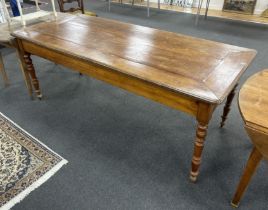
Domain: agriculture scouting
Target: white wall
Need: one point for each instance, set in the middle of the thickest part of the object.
(218, 4)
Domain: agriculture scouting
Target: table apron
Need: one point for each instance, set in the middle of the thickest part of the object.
(130, 83)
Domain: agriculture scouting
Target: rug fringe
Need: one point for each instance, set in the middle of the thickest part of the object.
(18, 198)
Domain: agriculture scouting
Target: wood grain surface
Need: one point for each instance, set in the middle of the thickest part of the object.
(199, 68)
(253, 101)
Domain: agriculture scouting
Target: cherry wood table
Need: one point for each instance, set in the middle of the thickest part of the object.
(189, 74)
(253, 104)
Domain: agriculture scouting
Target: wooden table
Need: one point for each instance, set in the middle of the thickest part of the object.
(253, 104)
(185, 73)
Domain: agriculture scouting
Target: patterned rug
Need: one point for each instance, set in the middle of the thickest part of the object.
(25, 163)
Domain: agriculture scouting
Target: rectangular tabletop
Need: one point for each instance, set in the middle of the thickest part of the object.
(199, 68)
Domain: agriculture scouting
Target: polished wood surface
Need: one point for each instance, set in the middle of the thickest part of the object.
(253, 101)
(253, 104)
(189, 74)
(203, 69)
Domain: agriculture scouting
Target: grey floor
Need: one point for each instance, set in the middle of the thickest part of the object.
(124, 151)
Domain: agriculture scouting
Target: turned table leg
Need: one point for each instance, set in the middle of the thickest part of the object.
(201, 133)
(31, 72)
(28, 69)
(3, 72)
(203, 117)
(227, 106)
(253, 162)
(26, 75)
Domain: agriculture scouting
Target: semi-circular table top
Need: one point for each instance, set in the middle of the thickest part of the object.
(253, 101)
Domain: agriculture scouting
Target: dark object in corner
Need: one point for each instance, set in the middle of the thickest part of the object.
(32, 2)
(80, 6)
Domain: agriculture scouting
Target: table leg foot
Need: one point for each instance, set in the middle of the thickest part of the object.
(193, 178)
(40, 97)
(227, 106)
(234, 205)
